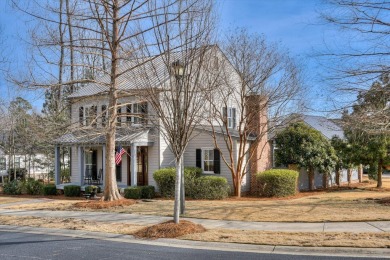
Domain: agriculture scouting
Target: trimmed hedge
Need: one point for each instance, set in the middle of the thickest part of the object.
(211, 188)
(139, 192)
(133, 193)
(278, 182)
(72, 191)
(33, 187)
(196, 186)
(147, 192)
(49, 189)
(165, 179)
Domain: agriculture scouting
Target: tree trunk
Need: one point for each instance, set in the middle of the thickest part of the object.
(237, 186)
(182, 189)
(349, 175)
(311, 178)
(360, 173)
(176, 209)
(338, 176)
(325, 180)
(111, 188)
(70, 31)
(380, 166)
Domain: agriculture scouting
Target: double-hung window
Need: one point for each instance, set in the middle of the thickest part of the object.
(3, 164)
(208, 159)
(229, 114)
(17, 162)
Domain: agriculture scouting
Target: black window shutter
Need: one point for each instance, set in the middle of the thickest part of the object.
(217, 162)
(234, 118)
(199, 158)
(224, 114)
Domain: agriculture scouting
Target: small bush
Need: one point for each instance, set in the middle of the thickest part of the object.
(133, 192)
(49, 189)
(72, 191)
(278, 182)
(211, 187)
(165, 179)
(14, 187)
(196, 186)
(92, 188)
(33, 187)
(139, 192)
(147, 192)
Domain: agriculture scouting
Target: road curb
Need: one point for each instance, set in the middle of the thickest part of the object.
(233, 247)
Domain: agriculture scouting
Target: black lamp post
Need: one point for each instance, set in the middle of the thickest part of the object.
(178, 69)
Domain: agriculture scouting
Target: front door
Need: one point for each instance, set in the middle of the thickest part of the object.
(142, 166)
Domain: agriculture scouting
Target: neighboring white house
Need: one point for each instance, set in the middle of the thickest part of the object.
(37, 166)
(328, 128)
(146, 149)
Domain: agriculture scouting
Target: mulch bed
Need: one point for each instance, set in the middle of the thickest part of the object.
(170, 230)
(384, 201)
(99, 204)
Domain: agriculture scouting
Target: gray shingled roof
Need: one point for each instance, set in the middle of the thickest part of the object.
(326, 126)
(153, 71)
(218, 130)
(94, 136)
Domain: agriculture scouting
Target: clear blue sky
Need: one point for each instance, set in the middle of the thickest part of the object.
(292, 23)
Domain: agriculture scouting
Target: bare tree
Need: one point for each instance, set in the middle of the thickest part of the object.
(173, 79)
(364, 55)
(251, 105)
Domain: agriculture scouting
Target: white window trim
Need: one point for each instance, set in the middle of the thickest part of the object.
(202, 158)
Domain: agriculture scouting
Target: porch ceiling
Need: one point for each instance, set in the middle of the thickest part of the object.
(94, 137)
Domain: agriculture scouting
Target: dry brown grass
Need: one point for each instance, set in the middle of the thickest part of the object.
(374, 240)
(324, 239)
(169, 230)
(98, 204)
(6, 200)
(358, 203)
(70, 223)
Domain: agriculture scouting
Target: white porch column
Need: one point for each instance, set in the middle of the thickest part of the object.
(104, 165)
(81, 164)
(133, 166)
(57, 165)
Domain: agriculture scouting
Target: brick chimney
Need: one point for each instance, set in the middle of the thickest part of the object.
(257, 121)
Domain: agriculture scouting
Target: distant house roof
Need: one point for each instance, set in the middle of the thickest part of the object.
(153, 71)
(326, 126)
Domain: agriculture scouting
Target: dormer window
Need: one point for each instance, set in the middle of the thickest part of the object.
(104, 115)
(81, 116)
(90, 116)
(137, 113)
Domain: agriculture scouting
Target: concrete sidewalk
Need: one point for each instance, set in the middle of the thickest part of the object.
(374, 226)
(381, 253)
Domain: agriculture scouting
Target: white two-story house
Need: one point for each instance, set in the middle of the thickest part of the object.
(146, 148)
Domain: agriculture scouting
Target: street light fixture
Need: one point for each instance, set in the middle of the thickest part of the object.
(178, 69)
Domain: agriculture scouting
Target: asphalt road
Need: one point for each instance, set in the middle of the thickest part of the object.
(14, 245)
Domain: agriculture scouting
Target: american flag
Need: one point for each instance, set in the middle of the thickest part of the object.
(118, 155)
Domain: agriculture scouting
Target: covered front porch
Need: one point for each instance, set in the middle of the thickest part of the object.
(88, 154)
